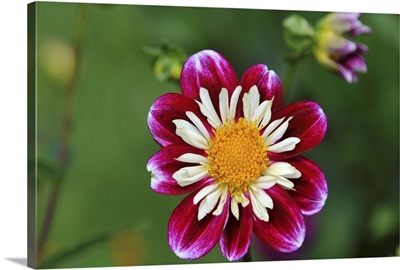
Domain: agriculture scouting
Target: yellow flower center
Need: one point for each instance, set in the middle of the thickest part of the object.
(237, 155)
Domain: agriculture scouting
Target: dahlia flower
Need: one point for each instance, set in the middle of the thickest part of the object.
(337, 53)
(234, 148)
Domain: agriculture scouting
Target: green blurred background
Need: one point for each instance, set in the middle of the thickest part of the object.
(106, 184)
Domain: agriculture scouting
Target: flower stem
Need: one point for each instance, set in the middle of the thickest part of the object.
(65, 132)
(288, 82)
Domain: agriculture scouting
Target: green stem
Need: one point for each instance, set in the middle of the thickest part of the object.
(65, 132)
(289, 79)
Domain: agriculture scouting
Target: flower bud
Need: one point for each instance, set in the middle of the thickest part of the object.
(298, 34)
(168, 61)
(334, 51)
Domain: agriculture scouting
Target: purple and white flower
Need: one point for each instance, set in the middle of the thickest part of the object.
(235, 148)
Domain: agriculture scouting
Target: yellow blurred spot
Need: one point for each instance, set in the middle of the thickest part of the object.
(128, 248)
(166, 68)
(57, 59)
(49, 249)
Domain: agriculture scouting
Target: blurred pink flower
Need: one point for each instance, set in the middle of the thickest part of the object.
(337, 53)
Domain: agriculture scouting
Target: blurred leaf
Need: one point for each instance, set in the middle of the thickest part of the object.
(151, 50)
(384, 221)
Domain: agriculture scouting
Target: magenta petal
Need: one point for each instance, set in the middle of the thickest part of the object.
(361, 48)
(190, 238)
(347, 74)
(309, 124)
(349, 17)
(169, 107)
(268, 84)
(285, 230)
(347, 48)
(356, 63)
(210, 70)
(358, 29)
(235, 239)
(311, 189)
(163, 164)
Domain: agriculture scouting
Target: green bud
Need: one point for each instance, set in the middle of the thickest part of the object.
(167, 67)
(298, 34)
(168, 62)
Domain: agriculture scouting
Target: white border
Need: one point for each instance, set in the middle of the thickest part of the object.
(13, 130)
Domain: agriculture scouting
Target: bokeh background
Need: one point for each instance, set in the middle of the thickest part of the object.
(107, 215)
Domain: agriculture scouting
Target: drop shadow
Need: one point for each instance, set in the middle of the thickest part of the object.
(20, 261)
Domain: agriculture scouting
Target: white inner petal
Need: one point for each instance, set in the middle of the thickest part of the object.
(223, 105)
(287, 144)
(268, 113)
(234, 101)
(285, 182)
(222, 201)
(259, 209)
(207, 108)
(271, 127)
(266, 182)
(235, 208)
(251, 100)
(193, 158)
(278, 133)
(208, 203)
(205, 112)
(236, 199)
(296, 174)
(189, 175)
(242, 199)
(190, 134)
(254, 99)
(264, 199)
(197, 122)
(260, 112)
(204, 192)
(280, 169)
(245, 101)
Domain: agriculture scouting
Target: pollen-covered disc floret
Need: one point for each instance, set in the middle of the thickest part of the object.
(237, 155)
